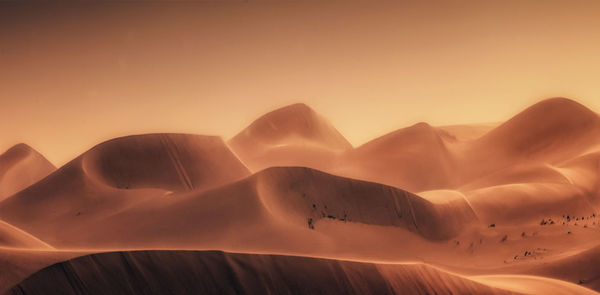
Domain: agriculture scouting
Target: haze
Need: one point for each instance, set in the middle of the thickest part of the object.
(75, 74)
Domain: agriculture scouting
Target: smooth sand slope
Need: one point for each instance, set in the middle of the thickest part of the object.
(116, 175)
(278, 209)
(187, 272)
(20, 167)
(401, 158)
(294, 135)
(550, 131)
(12, 237)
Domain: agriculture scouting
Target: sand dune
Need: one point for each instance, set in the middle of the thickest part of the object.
(116, 175)
(550, 131)
(17, 264)
(12, 237)
(174, 162)
(294, 135)
(283, 203)
(511, 207)
(401, 158)
(186, 272)
(21, 166)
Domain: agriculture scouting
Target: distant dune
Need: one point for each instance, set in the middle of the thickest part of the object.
(401, 158)
(186, 272)
(20, 167)
(294, 135)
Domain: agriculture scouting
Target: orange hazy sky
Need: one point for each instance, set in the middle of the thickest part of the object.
(75, 74)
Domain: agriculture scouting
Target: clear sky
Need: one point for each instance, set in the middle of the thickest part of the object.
(75, 74)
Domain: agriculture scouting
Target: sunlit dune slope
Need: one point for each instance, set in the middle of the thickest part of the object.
(580, 268)
(21, 166)
(414, 158)
(294, 135)
(550, 131)
(12, 237)
(116, 175)
(211, 272)
(283, 206)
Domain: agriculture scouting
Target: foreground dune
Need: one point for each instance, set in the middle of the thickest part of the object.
(187, 272)
(17, 264)
(20, 167)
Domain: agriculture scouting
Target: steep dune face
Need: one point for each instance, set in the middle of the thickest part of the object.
(210, 272)
(414, 158)
(115, 176)
(20, 167)
(294, 135)
(12, 237)
(284, 206)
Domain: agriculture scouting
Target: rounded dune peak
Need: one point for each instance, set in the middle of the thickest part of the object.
(21, 166)
(554, 128)
(296, 121)
(294, 135)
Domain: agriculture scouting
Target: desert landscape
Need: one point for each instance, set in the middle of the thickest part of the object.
(289, 206)
(299, 147)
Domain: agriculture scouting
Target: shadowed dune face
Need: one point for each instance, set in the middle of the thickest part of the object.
(185, 272)
(294, 135)
(21, 166)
